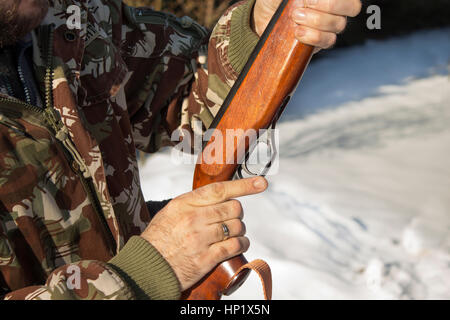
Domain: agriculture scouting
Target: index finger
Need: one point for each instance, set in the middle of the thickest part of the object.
(219, 192)
(349, 8)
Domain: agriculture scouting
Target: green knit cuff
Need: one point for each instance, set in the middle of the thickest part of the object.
(242, 38)
(145, 270)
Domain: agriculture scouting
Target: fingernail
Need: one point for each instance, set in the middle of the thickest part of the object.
(311, 2)
(299, 15)
(259, 183)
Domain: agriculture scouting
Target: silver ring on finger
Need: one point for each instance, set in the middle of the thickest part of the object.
(226, 231)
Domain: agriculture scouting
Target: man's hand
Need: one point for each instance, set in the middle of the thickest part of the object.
(188, 232)
(318, 21)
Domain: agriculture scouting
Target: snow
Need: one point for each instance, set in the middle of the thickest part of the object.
(360, 207)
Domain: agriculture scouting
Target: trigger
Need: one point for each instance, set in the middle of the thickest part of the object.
(244, 171)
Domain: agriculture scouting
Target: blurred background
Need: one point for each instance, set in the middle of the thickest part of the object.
(360, 207)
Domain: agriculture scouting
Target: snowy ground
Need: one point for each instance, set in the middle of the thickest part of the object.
(360, 208)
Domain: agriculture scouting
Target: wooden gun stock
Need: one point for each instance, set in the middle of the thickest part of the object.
(255, 102)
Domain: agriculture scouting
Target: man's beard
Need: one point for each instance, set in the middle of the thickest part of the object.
(19, 17)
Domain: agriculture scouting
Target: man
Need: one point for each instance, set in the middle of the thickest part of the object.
(74, 105)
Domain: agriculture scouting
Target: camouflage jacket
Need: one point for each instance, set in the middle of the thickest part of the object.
(71, 206)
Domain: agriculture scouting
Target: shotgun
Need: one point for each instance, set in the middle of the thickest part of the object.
(256, 102)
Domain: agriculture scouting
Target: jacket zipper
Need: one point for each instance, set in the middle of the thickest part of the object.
(24, 84)
(60, 132)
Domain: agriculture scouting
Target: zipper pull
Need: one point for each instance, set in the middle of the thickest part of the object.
(53, 118)
(62, 134)
(78, 164)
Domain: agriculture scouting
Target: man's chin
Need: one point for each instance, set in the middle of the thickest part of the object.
(26, 16)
